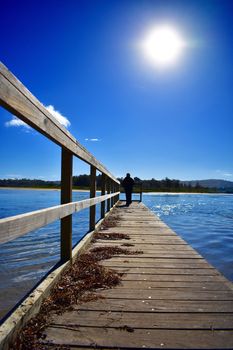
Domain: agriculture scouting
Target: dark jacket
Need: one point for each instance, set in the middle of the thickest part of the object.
(128, 183)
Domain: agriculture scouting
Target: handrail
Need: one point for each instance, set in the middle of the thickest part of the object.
(19, 225)
(138, 185)
(17, 99)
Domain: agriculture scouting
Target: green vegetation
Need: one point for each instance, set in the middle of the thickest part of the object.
(82, 182)
(173, 185)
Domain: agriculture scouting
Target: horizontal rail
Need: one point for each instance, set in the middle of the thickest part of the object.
(17, 99)
(16, 226)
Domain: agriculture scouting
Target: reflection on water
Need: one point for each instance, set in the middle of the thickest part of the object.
(205, 221)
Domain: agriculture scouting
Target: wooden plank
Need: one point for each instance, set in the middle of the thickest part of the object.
(103, 191)
(179, 254)
(167, 271)
(173, 285)
(146, 248)
(139, 338)
(141, 320)
(155, 265)
(134, 259)
(174, 278)
(153, 240)
(16, 226)
(109, 192)
(92, 195)
(176, 294)
(18, 100)
(66, 197)
(158, 305)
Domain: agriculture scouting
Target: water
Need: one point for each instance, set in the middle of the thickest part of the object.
(25, 260)
(204, 221)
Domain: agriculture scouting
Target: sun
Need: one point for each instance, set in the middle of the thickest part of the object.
(163, 45)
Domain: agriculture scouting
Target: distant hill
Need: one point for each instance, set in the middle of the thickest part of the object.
(165, 185)
(212, 183)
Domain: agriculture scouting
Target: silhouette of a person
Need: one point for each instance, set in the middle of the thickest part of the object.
(128, 183)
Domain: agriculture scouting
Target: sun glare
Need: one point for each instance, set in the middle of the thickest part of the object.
(163, 46)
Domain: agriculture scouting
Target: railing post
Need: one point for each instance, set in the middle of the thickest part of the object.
(141, 193)
(66, 197)
(118, 196)
(103, 188)
(115, 189)
(108, 191)
(92, 194)
(112, 190)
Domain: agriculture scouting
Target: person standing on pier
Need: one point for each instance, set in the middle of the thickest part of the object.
(128, 183)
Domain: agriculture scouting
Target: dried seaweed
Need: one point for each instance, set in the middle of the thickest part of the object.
(107, 252)
(110, 221)
(127, 245)
(126, 328)
(79, 282)
(113, 236)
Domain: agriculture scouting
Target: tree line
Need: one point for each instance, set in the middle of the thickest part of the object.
(83, 182)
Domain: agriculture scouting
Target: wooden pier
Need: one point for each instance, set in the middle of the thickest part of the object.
(170, 297)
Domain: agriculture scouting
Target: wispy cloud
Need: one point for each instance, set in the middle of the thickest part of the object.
(12, 176)
(228, 174)
(16, 122)
(224, 173)
(92, 140)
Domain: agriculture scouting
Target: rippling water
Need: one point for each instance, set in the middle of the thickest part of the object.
(25, 260)
(205, 221)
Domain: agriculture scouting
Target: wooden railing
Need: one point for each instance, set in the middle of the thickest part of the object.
(137, 190)
(15, 97)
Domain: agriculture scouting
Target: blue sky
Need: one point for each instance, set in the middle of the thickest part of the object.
(83, 58)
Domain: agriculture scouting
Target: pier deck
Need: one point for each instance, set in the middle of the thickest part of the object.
(170, 296)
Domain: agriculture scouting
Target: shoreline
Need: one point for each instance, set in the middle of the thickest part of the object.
(145, 193)
(39, 189)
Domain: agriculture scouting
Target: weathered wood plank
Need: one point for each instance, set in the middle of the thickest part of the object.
(103, 191)
(16, 226)
(139, 338)
(91, 318)
(162, 264)
(92, 195)
(17, 99)
(159, 305)
(134, 259)
(163, 294)
(66, 197)
(172, 285)
(153, 247)
(173, 278)
(168, 271)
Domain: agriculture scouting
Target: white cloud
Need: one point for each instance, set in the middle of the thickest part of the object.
(228, 174)
(13, 176)
(92, 140)
(224, 173)
(16, 122)
(57, 115)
